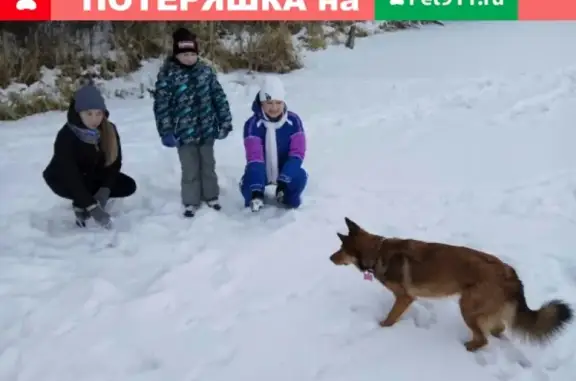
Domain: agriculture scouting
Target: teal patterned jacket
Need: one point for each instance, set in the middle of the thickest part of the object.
(190, 104)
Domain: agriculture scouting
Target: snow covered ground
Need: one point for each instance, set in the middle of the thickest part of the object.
(462, 134)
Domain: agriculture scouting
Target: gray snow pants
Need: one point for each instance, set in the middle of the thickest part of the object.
(199, 180)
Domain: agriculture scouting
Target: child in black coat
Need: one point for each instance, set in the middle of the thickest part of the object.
(87, 159)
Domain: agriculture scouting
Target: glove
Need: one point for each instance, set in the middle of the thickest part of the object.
(222, 134)
(223, 131)
(100, 216)
(102, 196)
(280, 190)
(169, 141)
(82, 216)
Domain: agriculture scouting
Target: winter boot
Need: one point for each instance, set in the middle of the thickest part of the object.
(257, 201)
(190, 210)
(214, 204)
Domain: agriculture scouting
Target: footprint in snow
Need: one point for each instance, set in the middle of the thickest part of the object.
(220, 276)
(506, 359)
(148, 363)
(423, 315)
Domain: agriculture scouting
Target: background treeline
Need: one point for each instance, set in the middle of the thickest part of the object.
(114, 49)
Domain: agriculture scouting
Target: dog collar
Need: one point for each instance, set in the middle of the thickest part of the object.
(369, 275)
(369, 271)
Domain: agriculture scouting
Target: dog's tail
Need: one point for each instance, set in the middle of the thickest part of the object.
(539, 325)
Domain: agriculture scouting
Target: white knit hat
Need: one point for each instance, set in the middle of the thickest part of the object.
(272, 89)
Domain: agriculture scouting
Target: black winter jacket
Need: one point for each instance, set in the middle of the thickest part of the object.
(76, 165)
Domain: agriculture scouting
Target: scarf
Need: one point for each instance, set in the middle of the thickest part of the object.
(271, 147)
(87, 135)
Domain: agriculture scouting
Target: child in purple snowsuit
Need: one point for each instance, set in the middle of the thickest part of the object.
(275, 145)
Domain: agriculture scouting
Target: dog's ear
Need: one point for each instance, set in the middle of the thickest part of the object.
(342, 237)
(353, 227)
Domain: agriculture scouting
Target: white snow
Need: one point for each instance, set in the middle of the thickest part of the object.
(463, 134)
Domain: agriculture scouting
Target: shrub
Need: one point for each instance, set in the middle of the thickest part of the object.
(112, 49)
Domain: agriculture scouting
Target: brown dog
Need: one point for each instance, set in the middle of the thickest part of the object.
(491, 294)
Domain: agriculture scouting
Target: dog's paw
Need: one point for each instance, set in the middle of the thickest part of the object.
(474, 345)
(386, 323)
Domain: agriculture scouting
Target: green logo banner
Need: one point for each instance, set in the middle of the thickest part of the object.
(449, 10)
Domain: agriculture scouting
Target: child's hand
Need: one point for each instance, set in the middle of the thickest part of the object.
(223, 131)
(280, 191)
(169, 141)
(222, 134)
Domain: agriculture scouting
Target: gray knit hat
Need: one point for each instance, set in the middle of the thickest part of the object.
(89, 98)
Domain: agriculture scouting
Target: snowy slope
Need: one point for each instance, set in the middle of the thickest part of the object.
(461, 134)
